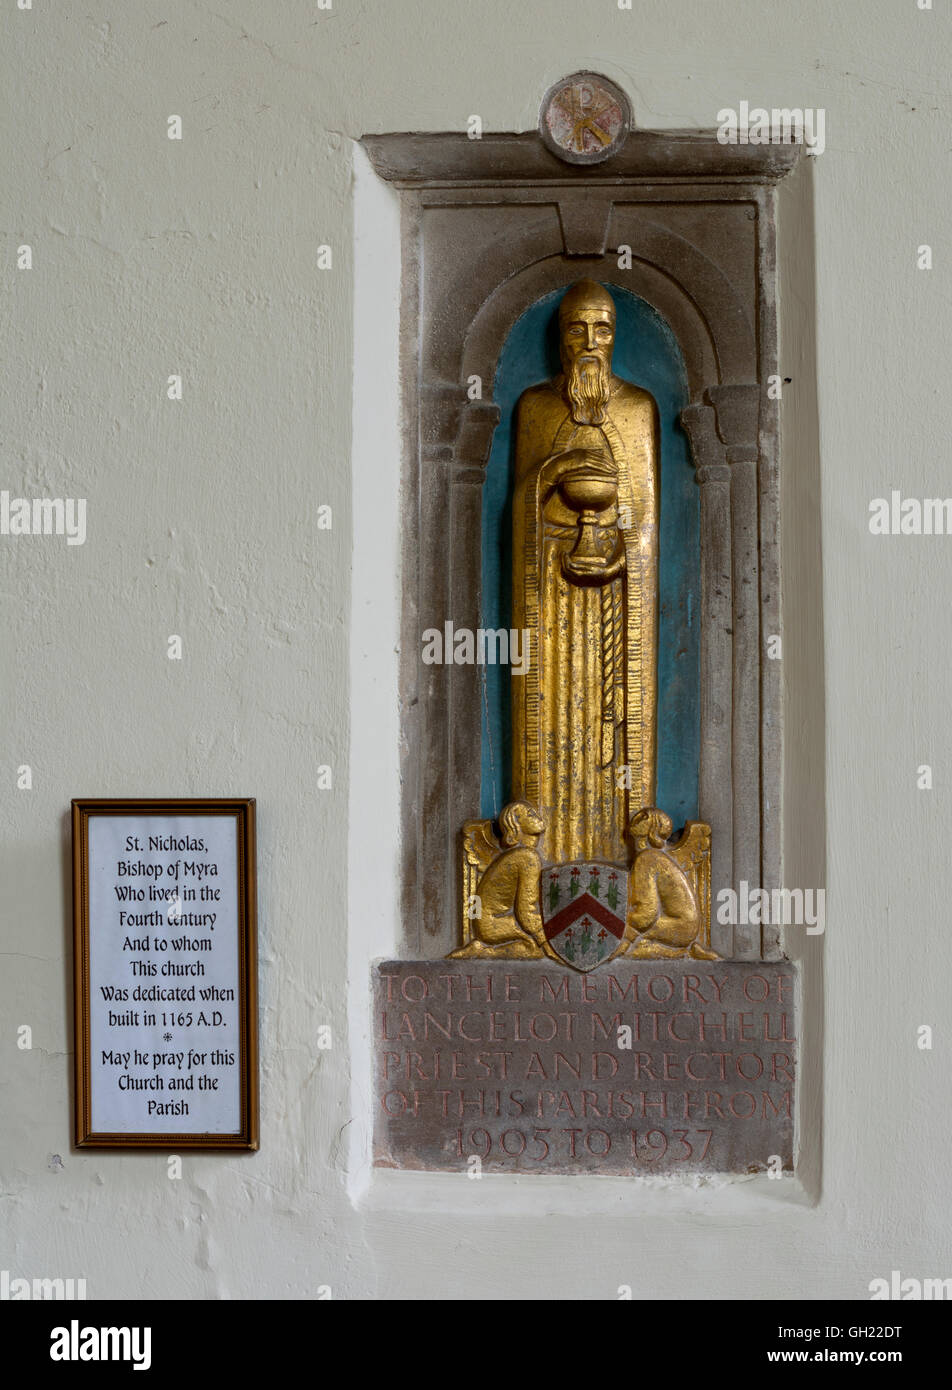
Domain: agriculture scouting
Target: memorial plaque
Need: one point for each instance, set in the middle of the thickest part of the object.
(590, 718)
(637, 1068)
(165, 974)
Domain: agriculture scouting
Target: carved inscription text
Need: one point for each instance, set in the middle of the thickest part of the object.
(636, 1068)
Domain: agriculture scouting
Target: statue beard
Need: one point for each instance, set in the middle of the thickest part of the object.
(588, 384)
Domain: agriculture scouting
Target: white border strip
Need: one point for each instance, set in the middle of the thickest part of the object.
(373, 837)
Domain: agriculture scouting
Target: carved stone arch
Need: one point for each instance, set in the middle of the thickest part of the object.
(696, 279)
(504, 258)
(488, 331)
(698, 303)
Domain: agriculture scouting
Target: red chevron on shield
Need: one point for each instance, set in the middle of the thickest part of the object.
(583, 911)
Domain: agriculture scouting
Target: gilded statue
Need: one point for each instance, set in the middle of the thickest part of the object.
(585, 529)
(585, 586)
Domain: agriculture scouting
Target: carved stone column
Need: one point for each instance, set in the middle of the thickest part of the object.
(737, 412)
(456, 439)
(715, 780)
(723, 436)
(439, 424)
(471, 455)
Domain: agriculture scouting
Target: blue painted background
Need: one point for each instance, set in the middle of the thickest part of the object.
(647, 353)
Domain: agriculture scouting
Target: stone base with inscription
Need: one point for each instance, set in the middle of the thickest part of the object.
(637, 1068)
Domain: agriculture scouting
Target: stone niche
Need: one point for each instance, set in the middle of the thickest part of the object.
(703, 1081)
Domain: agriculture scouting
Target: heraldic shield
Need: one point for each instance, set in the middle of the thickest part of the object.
(583, 911)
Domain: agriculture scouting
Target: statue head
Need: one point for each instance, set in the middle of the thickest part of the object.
(586, 339)
(520, 823)
(650, 827)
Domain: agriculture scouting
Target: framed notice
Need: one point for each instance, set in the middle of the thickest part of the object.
(165, 969)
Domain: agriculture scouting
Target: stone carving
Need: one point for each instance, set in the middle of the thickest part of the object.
(706, 262)
(584, 713)
(669, 890)
(536, 1077)
(584, 118)
(501, 916)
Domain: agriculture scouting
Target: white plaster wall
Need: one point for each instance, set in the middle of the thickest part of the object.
(154, 257)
